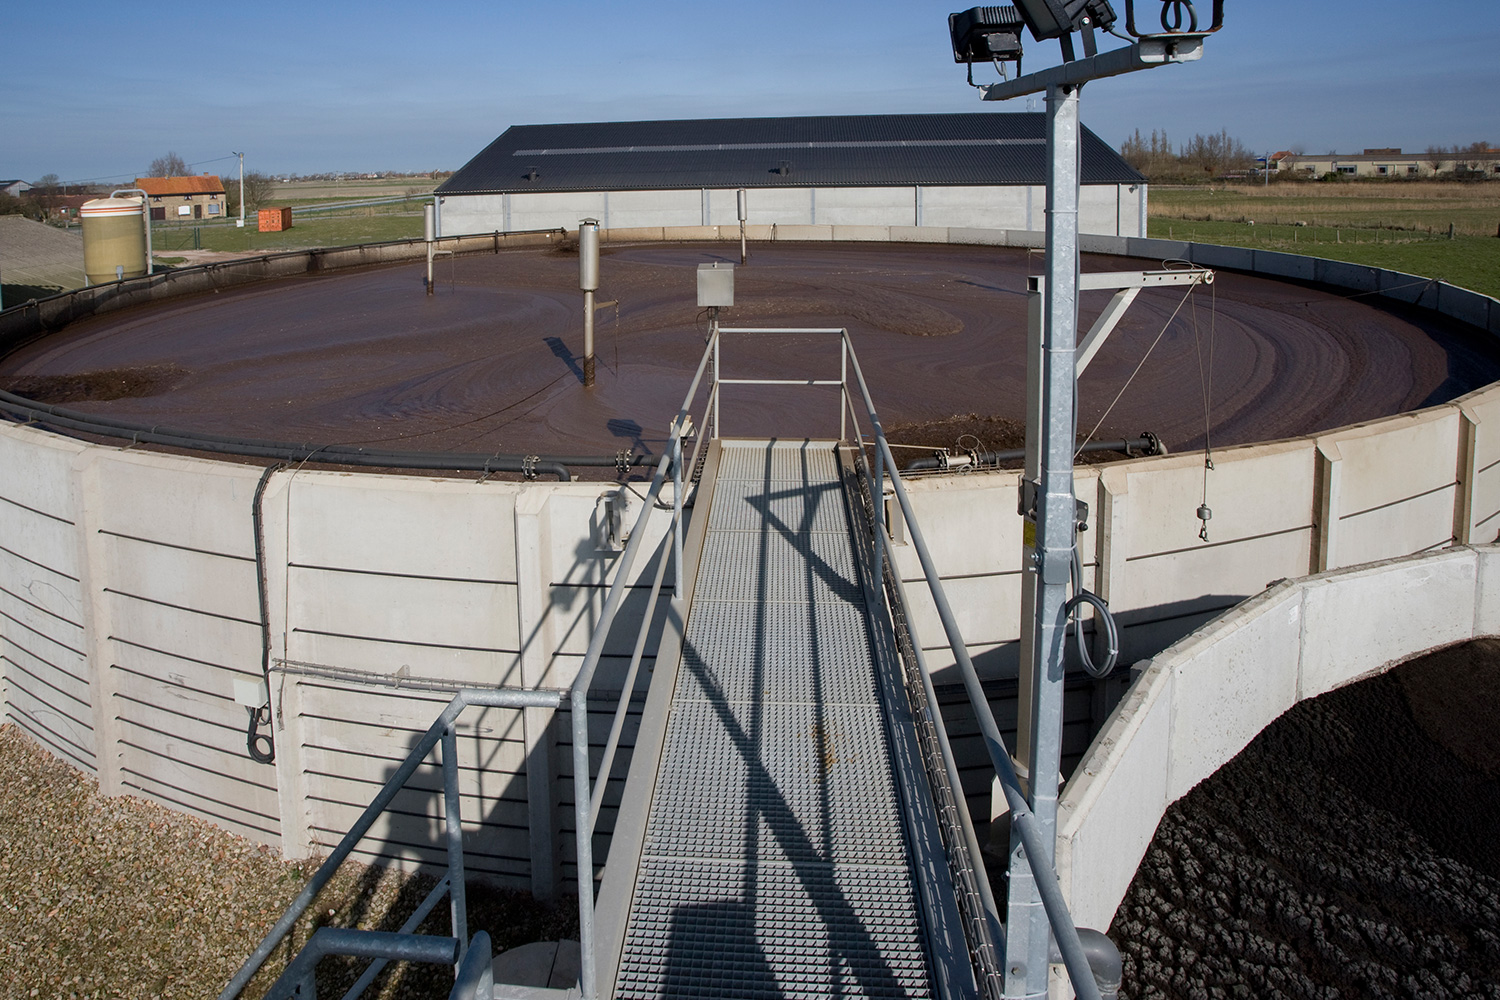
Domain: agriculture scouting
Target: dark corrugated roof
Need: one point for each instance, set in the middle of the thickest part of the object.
(831, 151)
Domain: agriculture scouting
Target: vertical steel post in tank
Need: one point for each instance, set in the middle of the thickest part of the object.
(740, 206)
(588, 280)
(429, 232)
(1028, 943)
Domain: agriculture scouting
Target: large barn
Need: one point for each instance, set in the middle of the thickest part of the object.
(981, 170)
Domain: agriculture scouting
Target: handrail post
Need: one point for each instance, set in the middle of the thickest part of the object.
(718, 430)
(582, 795)
(843, 383)
(457, 901)
(677, 511)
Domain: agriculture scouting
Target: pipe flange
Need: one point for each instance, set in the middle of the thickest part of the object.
(528, 466)
(622, 461)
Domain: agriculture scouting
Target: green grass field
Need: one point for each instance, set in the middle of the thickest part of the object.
(1419, 207)
(307, 231)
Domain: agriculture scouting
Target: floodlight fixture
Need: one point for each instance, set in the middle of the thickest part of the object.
(987, 34)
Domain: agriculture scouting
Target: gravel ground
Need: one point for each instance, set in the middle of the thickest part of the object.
(119, 897)
(1351, 851)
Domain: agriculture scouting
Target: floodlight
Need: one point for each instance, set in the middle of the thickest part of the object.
(1060, 18)
(986, 34)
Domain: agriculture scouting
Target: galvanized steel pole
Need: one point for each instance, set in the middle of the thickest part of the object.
(1028, 941)
(588, 280)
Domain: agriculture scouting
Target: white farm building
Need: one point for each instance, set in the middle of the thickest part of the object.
(980, 170)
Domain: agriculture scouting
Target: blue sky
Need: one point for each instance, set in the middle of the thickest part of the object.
(91, 93)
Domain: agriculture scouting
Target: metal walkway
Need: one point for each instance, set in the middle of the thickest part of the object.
(776, 859)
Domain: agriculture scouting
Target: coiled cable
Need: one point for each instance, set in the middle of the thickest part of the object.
(1102, 616)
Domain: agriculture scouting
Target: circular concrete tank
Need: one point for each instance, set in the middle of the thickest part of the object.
(114, 237)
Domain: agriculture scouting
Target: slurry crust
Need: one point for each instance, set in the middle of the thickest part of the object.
(1352, 850)
(493, 361)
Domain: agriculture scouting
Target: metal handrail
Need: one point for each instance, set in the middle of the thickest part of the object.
(441, 730)
(1022, 820)
(587, 795)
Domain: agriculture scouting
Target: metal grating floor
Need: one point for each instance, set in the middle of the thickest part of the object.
(775, 862)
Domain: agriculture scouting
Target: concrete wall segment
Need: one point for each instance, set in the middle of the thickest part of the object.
(1112, 804)
(1362, 620)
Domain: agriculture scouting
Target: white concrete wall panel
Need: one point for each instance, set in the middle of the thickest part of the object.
(1482, 409)
(1359, 621)
(983, 208)
(475, 213)
(891, 206)
(1100, 207)
(1114, 801)
(1223, 684)
(1261, 529)
(404, 525)
(44, 684)
(1381, 515)
(176, 585)
(1235, 676)
(651, 208)
(354, 737)
(543, 210)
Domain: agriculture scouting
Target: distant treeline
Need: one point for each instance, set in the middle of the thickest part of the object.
(1200, 158)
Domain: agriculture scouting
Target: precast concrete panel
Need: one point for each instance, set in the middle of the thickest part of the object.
(1362, 620)
(191, 502)
(1396, 461)
(461, 630)
(1111, 806)
(654, 208)
(403, 526)
(970, 524)
(1262, 502)
(1233, 678)
(886, 206)
(1099, 210)
(549, 210)
(984, 207)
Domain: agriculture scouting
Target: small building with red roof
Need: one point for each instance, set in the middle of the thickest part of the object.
(184, 199)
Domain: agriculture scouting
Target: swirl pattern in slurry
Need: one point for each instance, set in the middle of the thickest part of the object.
(492, 362)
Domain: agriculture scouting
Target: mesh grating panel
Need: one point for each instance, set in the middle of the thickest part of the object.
(743, 505)
(787, 782)
(777, 652)
(720, 931)
(748, 566)
(792, 461)
(775, 862)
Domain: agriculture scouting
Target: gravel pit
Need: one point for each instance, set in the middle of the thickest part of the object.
(1352, 850)
(119, 897)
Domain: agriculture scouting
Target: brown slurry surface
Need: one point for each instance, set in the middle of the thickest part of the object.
(1351, 851)
(492, 361)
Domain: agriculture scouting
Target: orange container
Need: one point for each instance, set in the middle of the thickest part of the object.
(274, 220)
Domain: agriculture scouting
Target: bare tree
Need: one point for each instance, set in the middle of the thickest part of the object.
(1435, 157)
(258, 188)
(170, 165)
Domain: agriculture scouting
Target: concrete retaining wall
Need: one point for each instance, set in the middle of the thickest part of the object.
(1200, 702)
(129, 605)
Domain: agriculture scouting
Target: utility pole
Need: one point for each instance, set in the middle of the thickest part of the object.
(241, 223)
